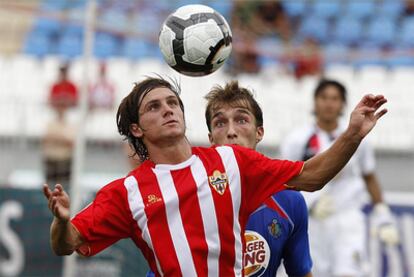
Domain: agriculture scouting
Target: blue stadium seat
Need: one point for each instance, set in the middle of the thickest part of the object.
(37, 43)
(381, 31)
(348, 31)
(113, 19)
(335, 53)
(390, 8)
(406, 36)
(401, 57)
(48, 26)
(367, 56)
(69, 46)
(134, 48)
(360, 9)
(326, 9)
(314, 27)
(105, 45)
(295, 8)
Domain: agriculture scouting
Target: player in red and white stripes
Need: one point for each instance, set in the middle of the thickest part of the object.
(186, 207)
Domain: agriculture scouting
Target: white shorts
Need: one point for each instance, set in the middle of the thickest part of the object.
(338, 245)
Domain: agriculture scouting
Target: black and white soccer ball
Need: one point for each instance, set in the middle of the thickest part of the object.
(195, 40)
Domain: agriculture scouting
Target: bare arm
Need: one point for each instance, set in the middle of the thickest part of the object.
(63, 235)
(320, 169)
(308, 275)
(373, 188)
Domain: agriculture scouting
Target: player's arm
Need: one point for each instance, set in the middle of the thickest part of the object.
(320, 169)
(373, 188)
(63, 235)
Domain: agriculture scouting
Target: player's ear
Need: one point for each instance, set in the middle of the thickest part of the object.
(136, 130)
(210, 138)
(259, 133)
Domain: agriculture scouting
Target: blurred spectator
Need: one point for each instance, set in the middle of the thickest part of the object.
(102, 93)
(57, 148)
(64, 93)
(307, 60)
(251, 21)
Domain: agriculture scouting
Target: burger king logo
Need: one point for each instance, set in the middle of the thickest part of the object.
(256, 254)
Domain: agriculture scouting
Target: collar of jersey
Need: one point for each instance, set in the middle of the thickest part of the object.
(176, 166)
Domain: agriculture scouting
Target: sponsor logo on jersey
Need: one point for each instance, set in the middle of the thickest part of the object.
(275, 229)
(152, 199)
(218, 181)
(256, 254)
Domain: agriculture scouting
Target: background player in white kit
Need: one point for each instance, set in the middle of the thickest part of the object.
(336, 225)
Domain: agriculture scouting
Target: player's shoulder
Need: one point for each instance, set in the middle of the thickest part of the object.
(292, 202)
(289, 197)
(114, 186)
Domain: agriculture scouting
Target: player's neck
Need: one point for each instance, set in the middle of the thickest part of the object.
(327, 125)
(170, 153)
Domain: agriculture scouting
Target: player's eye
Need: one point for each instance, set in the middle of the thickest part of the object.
(153, 106)
(173, 102)
(219, 123)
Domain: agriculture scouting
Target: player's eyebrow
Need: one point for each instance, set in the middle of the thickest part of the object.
(239, 110)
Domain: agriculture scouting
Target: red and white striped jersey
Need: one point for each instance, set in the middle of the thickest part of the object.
(188, 218)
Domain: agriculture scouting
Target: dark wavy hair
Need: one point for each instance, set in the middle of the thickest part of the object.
(232, 94)
(127, 113)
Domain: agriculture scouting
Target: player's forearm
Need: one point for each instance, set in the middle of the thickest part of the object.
(64, 237)
(320, 169)
(373, 188)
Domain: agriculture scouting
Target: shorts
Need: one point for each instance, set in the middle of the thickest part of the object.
(338, 245)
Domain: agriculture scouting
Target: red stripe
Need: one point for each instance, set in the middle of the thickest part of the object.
(191, 217)
(224, 212)
(146, 251)
(272, 204)
(158, 224)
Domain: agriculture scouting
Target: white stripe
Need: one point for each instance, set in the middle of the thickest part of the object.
(175, 224)
(208, 214)
(136, 205)
(233, 174)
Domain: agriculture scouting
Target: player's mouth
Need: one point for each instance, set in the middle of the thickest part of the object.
(170, 122)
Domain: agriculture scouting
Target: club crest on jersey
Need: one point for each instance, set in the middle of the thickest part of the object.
(274, 228)
(218, 181)
(256, 255)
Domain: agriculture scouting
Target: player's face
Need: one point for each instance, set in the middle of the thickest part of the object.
(234, 125)
(329, 104)
(160, 117)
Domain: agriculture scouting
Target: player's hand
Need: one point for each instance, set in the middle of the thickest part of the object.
(58, 202)
(323, 207)
(383, 225)
(366, 114)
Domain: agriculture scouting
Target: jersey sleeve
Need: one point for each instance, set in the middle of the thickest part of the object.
(105, 221)
(296, 253)
(262, 176)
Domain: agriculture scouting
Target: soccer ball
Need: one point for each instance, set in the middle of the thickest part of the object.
(195, 40)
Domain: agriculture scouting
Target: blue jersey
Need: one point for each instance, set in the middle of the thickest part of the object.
(275, 231)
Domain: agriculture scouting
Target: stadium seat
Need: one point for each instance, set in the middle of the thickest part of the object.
(360, 9)
(69, 46)
(134, 48)
(326, 9)
(390, 8)
(406, 36)
(107, 19)
(335, 53)
(400, 56)
(314, 27)
(48, 26)
(381, 31)
(37, 44)
(105, 45)
(368, 56)
(295, 8)
(348, 31)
